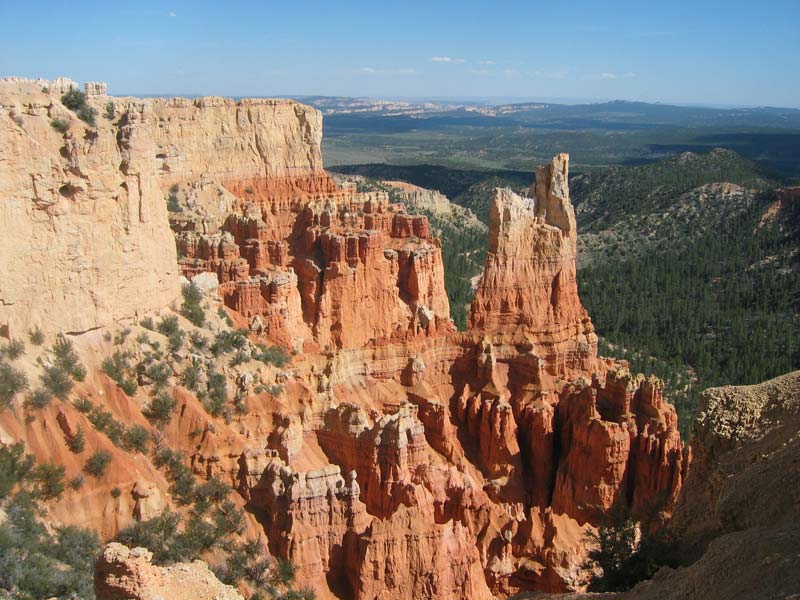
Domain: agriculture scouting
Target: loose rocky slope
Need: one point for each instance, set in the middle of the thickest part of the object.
(392, 456)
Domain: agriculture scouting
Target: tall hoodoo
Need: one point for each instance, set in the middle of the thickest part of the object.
(529, 288)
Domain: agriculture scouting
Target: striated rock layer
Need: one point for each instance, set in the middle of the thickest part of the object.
(399, 458)
(529, 286)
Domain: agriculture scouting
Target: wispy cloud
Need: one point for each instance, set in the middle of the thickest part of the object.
(511, 73)
(381, 71)
(447, 59)
(480, 71)
(172, 13)
(486, 62)
(608, 76)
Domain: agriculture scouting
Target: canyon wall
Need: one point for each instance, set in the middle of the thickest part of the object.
(391, 455)
(85, 210)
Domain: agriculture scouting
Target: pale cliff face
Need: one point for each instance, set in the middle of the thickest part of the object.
(86, 237)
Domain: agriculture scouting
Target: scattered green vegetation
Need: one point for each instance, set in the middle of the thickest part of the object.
(35, 563)
(160, 410)
(110, 111)
(77, 442)
(239, 358)
(192, 307)
(76, 102)
(121, 336)
(56, 381)
(627, 552)
(217, 394)
(67, 359)
(36, 336)
(49, 479)
(60, 125)
(13, 350)
(117, 367)
(148, 323)
(84, 405)
(271, 356)
(12, 382)
(116, 492)
(159, 373)
(39, 399)
(223, 314)
(136, 438)
(190, 378)
(173, 205)
(228, 341)
(170, 327)
(97, 463)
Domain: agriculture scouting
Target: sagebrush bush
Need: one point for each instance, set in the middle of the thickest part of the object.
(76, 101)
(192, 307)
(217, 393)
(169, 325)
(60, 125)
(117, 368)
(49, 478)
(77, 442)
(14, 349)
(271, 356)
(227, 341)
(159, 373)
(12, 382)
(97, 463)
(15, 466)
(67, 359)
(84, 405)
(159, 411)
(36, 336)
(39, 399)
(56, 381)
(136, 438)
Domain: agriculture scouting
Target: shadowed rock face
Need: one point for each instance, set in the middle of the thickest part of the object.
(404, 459)
(736, 519)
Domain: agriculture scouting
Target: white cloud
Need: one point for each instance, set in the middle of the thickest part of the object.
(480, 71)
(486, 62)
(629, 75)
(510, 72)
(605, 75)
(379, 71)
(172, 13)
(447, 59)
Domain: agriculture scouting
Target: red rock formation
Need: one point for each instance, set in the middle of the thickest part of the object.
(529, 288)
(405, 459)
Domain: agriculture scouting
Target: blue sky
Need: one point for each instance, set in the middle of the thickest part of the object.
(734, 52)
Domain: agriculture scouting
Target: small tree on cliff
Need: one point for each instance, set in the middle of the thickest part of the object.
(626, 551)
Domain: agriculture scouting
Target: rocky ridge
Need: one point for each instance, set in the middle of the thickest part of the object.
(392, 438)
